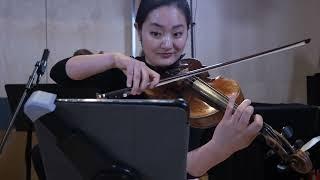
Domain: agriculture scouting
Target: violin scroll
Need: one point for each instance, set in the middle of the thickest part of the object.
(296, 159)
(300, 162)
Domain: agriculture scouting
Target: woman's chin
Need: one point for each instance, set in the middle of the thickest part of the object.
(166, 61)
(161, 61)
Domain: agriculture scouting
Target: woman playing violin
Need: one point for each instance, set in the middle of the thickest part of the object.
(162, 26)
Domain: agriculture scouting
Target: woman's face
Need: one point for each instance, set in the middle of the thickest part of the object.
(163, 36)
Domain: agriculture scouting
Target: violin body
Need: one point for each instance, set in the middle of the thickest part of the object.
(201, 114)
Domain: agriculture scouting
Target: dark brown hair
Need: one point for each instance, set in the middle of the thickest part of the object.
(82, 52)
(146, 6)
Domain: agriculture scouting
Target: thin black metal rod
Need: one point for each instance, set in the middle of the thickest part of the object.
(192, 30)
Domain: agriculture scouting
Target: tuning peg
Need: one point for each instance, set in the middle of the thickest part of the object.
(269, 154)
(298, 144)
(282, 168)
(287, 132)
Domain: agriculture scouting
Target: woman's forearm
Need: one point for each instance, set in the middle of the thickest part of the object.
(200, 160)
(84, 66)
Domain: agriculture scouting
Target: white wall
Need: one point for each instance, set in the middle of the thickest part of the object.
(22, 38)
(95, 25)
(225, 30)
(71, 25)
(231, 29)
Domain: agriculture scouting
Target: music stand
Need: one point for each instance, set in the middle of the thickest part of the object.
(15, 91)
(23, 123)
(150, 136)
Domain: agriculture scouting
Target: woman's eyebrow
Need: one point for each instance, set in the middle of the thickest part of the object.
(161, 26)
(177, 26)
(157, 25)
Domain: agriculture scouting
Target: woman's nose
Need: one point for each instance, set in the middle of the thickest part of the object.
(166, 42)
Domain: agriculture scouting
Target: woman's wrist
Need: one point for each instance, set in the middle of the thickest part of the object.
(205, 157)
(216, 148)
(117, 60)
(114, 59)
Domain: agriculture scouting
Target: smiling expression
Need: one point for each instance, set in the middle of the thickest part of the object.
(163, 36)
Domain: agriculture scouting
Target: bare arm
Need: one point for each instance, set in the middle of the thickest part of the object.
(139, 76)
(200, 160)
(84, 66)
(233, 133)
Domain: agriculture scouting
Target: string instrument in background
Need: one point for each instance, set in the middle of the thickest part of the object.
(208, 99)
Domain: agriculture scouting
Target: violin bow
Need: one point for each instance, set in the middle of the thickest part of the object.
(125, 92)
(247, 58)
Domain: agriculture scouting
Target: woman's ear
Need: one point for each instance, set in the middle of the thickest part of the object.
(138, 31)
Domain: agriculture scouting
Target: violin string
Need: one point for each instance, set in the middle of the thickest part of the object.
(275, 135)
(266, 127)
(281, 140)
(272, 134)
(222, 96)
(269, 130)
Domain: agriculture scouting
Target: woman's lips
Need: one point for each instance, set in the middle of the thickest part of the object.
(166, 55)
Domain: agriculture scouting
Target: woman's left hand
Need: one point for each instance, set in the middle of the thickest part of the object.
(235, 131)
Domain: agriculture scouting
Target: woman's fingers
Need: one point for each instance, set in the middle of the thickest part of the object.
(145, 81)
(241, 108)
(154, 77)
(136, 79)
(244, 120)
(129, 73)
(255, 126)
(229, 110)
(141, 77)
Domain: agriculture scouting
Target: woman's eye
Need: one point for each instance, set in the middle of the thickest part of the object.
(155, 34)
(177, 34)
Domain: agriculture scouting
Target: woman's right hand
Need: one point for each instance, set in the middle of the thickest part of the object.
(139, 75)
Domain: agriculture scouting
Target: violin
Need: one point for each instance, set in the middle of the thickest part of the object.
(208, 99)
(206, 108)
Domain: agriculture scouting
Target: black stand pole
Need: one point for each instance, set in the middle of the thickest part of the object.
(27, 153)
(39, 70)
(192, 30)
(22, 100)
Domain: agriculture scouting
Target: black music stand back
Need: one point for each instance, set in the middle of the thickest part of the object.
(149, 136)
